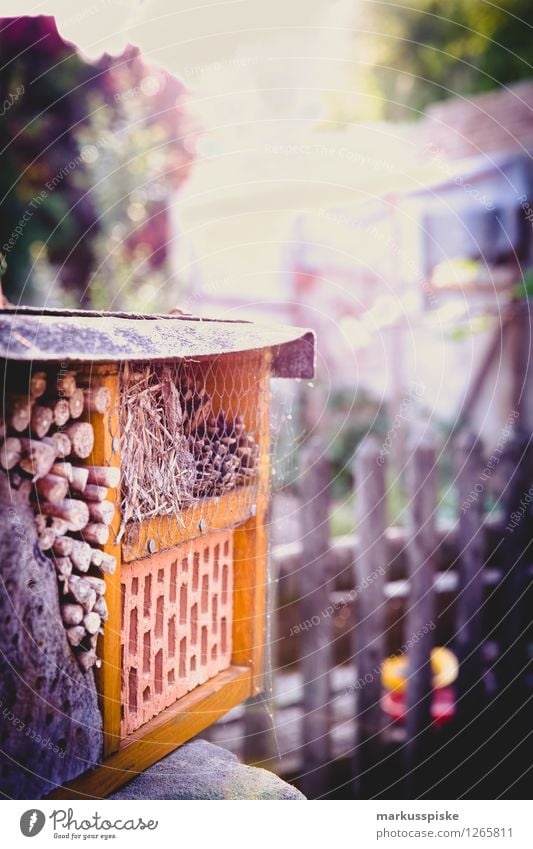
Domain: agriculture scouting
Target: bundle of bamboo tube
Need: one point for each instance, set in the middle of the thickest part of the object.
(44, 439)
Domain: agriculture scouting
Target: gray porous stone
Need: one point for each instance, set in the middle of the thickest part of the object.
(200, 770)
(50, 724)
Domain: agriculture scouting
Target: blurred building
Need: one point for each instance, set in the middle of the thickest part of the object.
(399, 243)
(419, 282)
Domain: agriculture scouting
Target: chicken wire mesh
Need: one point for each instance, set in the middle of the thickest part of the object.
(190, 434)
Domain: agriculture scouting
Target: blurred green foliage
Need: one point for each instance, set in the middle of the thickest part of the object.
(42, 86)
(420, 51)
(93, 155)
(524, 289)
(140, 155)
(350, 418)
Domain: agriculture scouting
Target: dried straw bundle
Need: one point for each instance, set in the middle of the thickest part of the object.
(158, 469)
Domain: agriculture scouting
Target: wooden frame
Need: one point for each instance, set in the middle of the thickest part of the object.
(124, 758)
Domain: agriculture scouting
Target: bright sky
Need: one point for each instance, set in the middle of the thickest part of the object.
(263, 76)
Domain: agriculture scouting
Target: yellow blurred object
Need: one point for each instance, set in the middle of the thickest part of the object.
(444, 666)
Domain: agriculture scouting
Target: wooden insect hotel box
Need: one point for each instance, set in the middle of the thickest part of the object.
(141, 445)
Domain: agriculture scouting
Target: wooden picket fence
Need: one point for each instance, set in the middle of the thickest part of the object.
(422, 543)
(481, 567)
(472, 578)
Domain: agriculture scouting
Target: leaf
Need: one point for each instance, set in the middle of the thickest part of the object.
(524, 290)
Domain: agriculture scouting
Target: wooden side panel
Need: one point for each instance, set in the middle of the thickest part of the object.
(251, 552)
(107, 453)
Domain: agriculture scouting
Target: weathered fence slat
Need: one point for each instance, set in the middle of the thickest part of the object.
(419, 634)
(315, 622)
(517, 553)
(469, 609)
(369, 648)
(259, 736)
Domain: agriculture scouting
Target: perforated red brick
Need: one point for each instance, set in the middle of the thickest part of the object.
(177, 611)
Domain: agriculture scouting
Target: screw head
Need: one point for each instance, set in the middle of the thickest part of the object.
(115, 443)
(253, 510)
(202, 526)
(151, 546)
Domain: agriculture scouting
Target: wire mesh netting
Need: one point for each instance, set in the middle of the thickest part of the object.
(190, 434)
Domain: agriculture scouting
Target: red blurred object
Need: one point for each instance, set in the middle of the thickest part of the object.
(442, 705)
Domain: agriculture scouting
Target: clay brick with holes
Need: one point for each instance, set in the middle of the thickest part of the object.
(177, 613)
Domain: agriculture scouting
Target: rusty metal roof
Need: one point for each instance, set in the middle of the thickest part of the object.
(30, 334)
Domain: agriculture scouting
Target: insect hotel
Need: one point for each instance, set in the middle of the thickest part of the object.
(135, 490)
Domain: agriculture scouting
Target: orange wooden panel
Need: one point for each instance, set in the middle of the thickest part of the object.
(251, 552)
(106, 452)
